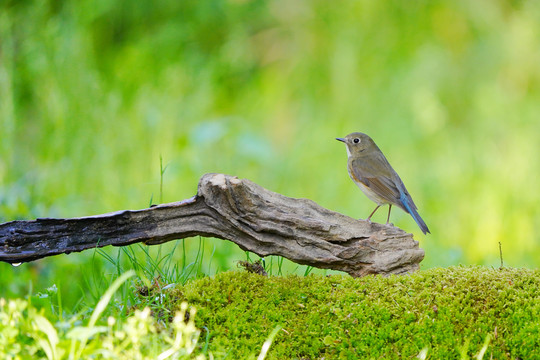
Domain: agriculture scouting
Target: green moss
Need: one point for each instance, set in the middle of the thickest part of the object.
(448, 311)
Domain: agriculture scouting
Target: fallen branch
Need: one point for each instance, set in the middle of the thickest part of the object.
(225, 207)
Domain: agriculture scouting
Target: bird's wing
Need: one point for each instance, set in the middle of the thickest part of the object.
(376, 173)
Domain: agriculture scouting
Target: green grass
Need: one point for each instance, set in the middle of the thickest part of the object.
(28, 333)
(454, 313)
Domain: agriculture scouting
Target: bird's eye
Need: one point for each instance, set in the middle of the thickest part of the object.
(356, 140)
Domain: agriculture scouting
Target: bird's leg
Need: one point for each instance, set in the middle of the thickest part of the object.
(388, 218)
(369, 217)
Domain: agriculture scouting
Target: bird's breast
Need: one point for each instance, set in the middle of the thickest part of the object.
(373, 196)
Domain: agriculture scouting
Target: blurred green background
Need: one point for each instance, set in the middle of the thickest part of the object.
(92, 93)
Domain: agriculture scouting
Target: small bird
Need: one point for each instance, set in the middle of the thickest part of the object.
(372, 173)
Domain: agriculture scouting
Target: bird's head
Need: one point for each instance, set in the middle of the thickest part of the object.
(357, 143)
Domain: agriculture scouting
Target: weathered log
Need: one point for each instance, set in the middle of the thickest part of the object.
(225, 207)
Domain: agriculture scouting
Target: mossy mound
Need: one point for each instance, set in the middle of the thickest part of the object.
(449, 312)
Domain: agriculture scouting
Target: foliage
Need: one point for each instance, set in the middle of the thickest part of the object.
(437, 313)
(25, 332)
(460, 312)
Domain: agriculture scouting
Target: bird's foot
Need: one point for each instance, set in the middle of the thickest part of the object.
(368, 220)
(389, 224)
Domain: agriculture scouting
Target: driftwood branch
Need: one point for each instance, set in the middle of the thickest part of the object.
(225, 207)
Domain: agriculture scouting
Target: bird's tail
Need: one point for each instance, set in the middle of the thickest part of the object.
(411, 209)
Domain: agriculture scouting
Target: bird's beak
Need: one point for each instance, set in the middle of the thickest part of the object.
(340, 139)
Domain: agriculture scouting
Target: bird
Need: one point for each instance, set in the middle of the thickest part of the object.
(372, 173)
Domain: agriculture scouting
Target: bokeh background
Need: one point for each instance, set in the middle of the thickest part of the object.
(94, 93)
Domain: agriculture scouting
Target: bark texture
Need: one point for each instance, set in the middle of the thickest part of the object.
(225, 207)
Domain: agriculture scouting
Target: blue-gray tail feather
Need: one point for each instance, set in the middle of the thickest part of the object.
(412, 210)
